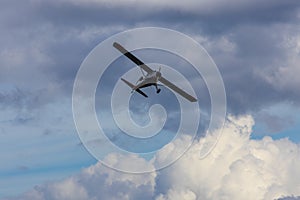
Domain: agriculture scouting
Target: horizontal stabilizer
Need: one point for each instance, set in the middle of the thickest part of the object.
(133, 87)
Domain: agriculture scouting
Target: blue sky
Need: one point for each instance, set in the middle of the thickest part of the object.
(256, 46)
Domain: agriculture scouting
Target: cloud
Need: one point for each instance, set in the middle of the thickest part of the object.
(255, 45)
(178, 195)
(98, 182)
(254, 48)
(258, 65)
(275, 124)
(289, 198)
(191, 6)
(237, 168)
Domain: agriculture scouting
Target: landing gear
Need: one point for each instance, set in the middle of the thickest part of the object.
(157, 89)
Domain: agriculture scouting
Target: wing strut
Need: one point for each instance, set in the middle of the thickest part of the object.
(149, 70)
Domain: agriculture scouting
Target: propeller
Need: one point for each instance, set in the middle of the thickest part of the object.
(158, 74)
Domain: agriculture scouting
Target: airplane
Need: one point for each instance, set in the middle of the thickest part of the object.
(151, 78)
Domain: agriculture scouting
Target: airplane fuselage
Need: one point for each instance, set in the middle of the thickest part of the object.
(149, 80)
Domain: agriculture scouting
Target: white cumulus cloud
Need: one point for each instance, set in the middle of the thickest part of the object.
(237, 168)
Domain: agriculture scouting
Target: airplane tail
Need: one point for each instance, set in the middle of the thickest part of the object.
(134, 88)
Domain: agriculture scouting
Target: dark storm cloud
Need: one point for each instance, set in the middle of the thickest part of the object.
(259, 52)
(43, 44)
(62, 34)
(66, 14)
(289, 198)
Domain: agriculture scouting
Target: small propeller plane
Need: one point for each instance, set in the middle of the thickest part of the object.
(151, 78)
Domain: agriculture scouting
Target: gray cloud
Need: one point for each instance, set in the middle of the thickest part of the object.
(289, 198)
(52, 39)
(275, 124)
(255, 45)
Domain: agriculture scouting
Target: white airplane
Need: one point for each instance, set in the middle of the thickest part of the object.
(151, 78)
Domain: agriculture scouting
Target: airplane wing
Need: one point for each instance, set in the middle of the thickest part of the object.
(132, 57)
(133, 86)
(177, 89)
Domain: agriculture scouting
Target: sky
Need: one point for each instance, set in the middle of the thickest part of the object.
(256, 48)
